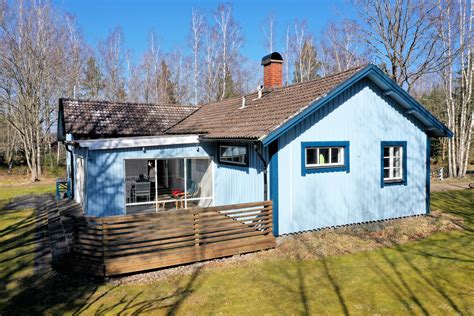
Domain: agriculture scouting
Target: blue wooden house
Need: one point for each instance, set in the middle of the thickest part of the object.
(347, 148)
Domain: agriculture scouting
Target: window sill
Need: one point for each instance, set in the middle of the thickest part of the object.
(394, 182)
(322, 169)
(324, 166)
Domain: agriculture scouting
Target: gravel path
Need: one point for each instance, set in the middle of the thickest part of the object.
(440, 186)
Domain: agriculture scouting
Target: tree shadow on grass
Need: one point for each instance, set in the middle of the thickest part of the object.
(405, 284)
(330, 276)
(134, 305)
(294, 282)
(48, 291)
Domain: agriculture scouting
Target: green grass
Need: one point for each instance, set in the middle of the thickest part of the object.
(431, 276)
(8, 192)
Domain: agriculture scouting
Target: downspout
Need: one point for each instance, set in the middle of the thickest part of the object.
(258, 150)
(71, 170)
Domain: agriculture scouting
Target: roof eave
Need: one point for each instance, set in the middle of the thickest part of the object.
(433, 127)
(137, 142)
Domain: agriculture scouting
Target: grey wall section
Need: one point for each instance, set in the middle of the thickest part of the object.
(363, 116)
(106, 185)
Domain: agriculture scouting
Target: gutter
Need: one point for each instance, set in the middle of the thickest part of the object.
(258, 146)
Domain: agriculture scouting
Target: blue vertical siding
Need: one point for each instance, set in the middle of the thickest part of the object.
(105, 173)
(363, 116)
(235, 184)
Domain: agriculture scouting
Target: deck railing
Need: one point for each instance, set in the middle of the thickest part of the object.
(125, 244)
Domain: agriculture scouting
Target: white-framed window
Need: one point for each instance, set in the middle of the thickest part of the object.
(324, 156)
(233, 154)
(393, 163)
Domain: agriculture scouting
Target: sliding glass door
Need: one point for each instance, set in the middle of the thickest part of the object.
(153, 185)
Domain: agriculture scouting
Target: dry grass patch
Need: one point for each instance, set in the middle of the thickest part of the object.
(364, 237)
(319, 244)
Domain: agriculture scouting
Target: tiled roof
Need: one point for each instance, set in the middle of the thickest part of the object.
(260, 116)
(99, 119)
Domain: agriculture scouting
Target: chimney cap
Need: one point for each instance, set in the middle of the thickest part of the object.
(273, 57)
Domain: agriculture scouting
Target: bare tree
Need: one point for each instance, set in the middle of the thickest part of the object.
(182, 70)
(402, 36)
(37, 48)
(268, 29)
(287, 55)
(211, 65)
(136, 83)
(306, 63)
(150, 66)
(229, 40)
(112, 55)
(196, 37)
(340, 47)
(456, 30)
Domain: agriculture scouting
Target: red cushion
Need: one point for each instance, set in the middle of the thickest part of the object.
(176, 191)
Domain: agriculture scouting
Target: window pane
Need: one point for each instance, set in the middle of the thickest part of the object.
(198, 181)
(323, 156)
(397, 173)
(386, 151)
(386, 162)
(335, 155)
(396, 151)
(310, 156)
(386, 173)
(139, 181)
(397, 162)
(233, 154)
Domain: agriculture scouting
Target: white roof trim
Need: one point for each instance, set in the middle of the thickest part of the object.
(142, 141)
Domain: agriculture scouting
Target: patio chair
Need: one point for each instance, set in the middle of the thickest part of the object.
(142, 189)
(193, 191)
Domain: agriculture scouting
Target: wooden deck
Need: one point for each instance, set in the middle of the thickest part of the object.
(126, 244)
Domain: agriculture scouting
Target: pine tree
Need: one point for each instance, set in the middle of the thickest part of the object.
(92, 83)
(167, 86)
(307, 64)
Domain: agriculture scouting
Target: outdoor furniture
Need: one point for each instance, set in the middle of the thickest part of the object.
(161, 202)
(192, 192)
(142, 189)
(128, 192)
(63, 188)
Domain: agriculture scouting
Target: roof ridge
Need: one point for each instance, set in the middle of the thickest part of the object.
(324, 77)
(126, 103)
(361, 66)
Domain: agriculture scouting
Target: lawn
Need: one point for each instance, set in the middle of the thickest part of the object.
(430, 276)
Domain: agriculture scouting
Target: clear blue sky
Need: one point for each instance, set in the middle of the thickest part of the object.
(171, 19)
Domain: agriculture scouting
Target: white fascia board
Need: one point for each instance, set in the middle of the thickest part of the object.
(142, 141)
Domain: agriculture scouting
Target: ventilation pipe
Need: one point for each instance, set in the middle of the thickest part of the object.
(259, 91)
(243, 102)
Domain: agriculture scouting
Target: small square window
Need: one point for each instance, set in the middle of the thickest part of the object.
(234, 155)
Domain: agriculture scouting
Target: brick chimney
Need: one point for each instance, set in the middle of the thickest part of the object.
(272, 70)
